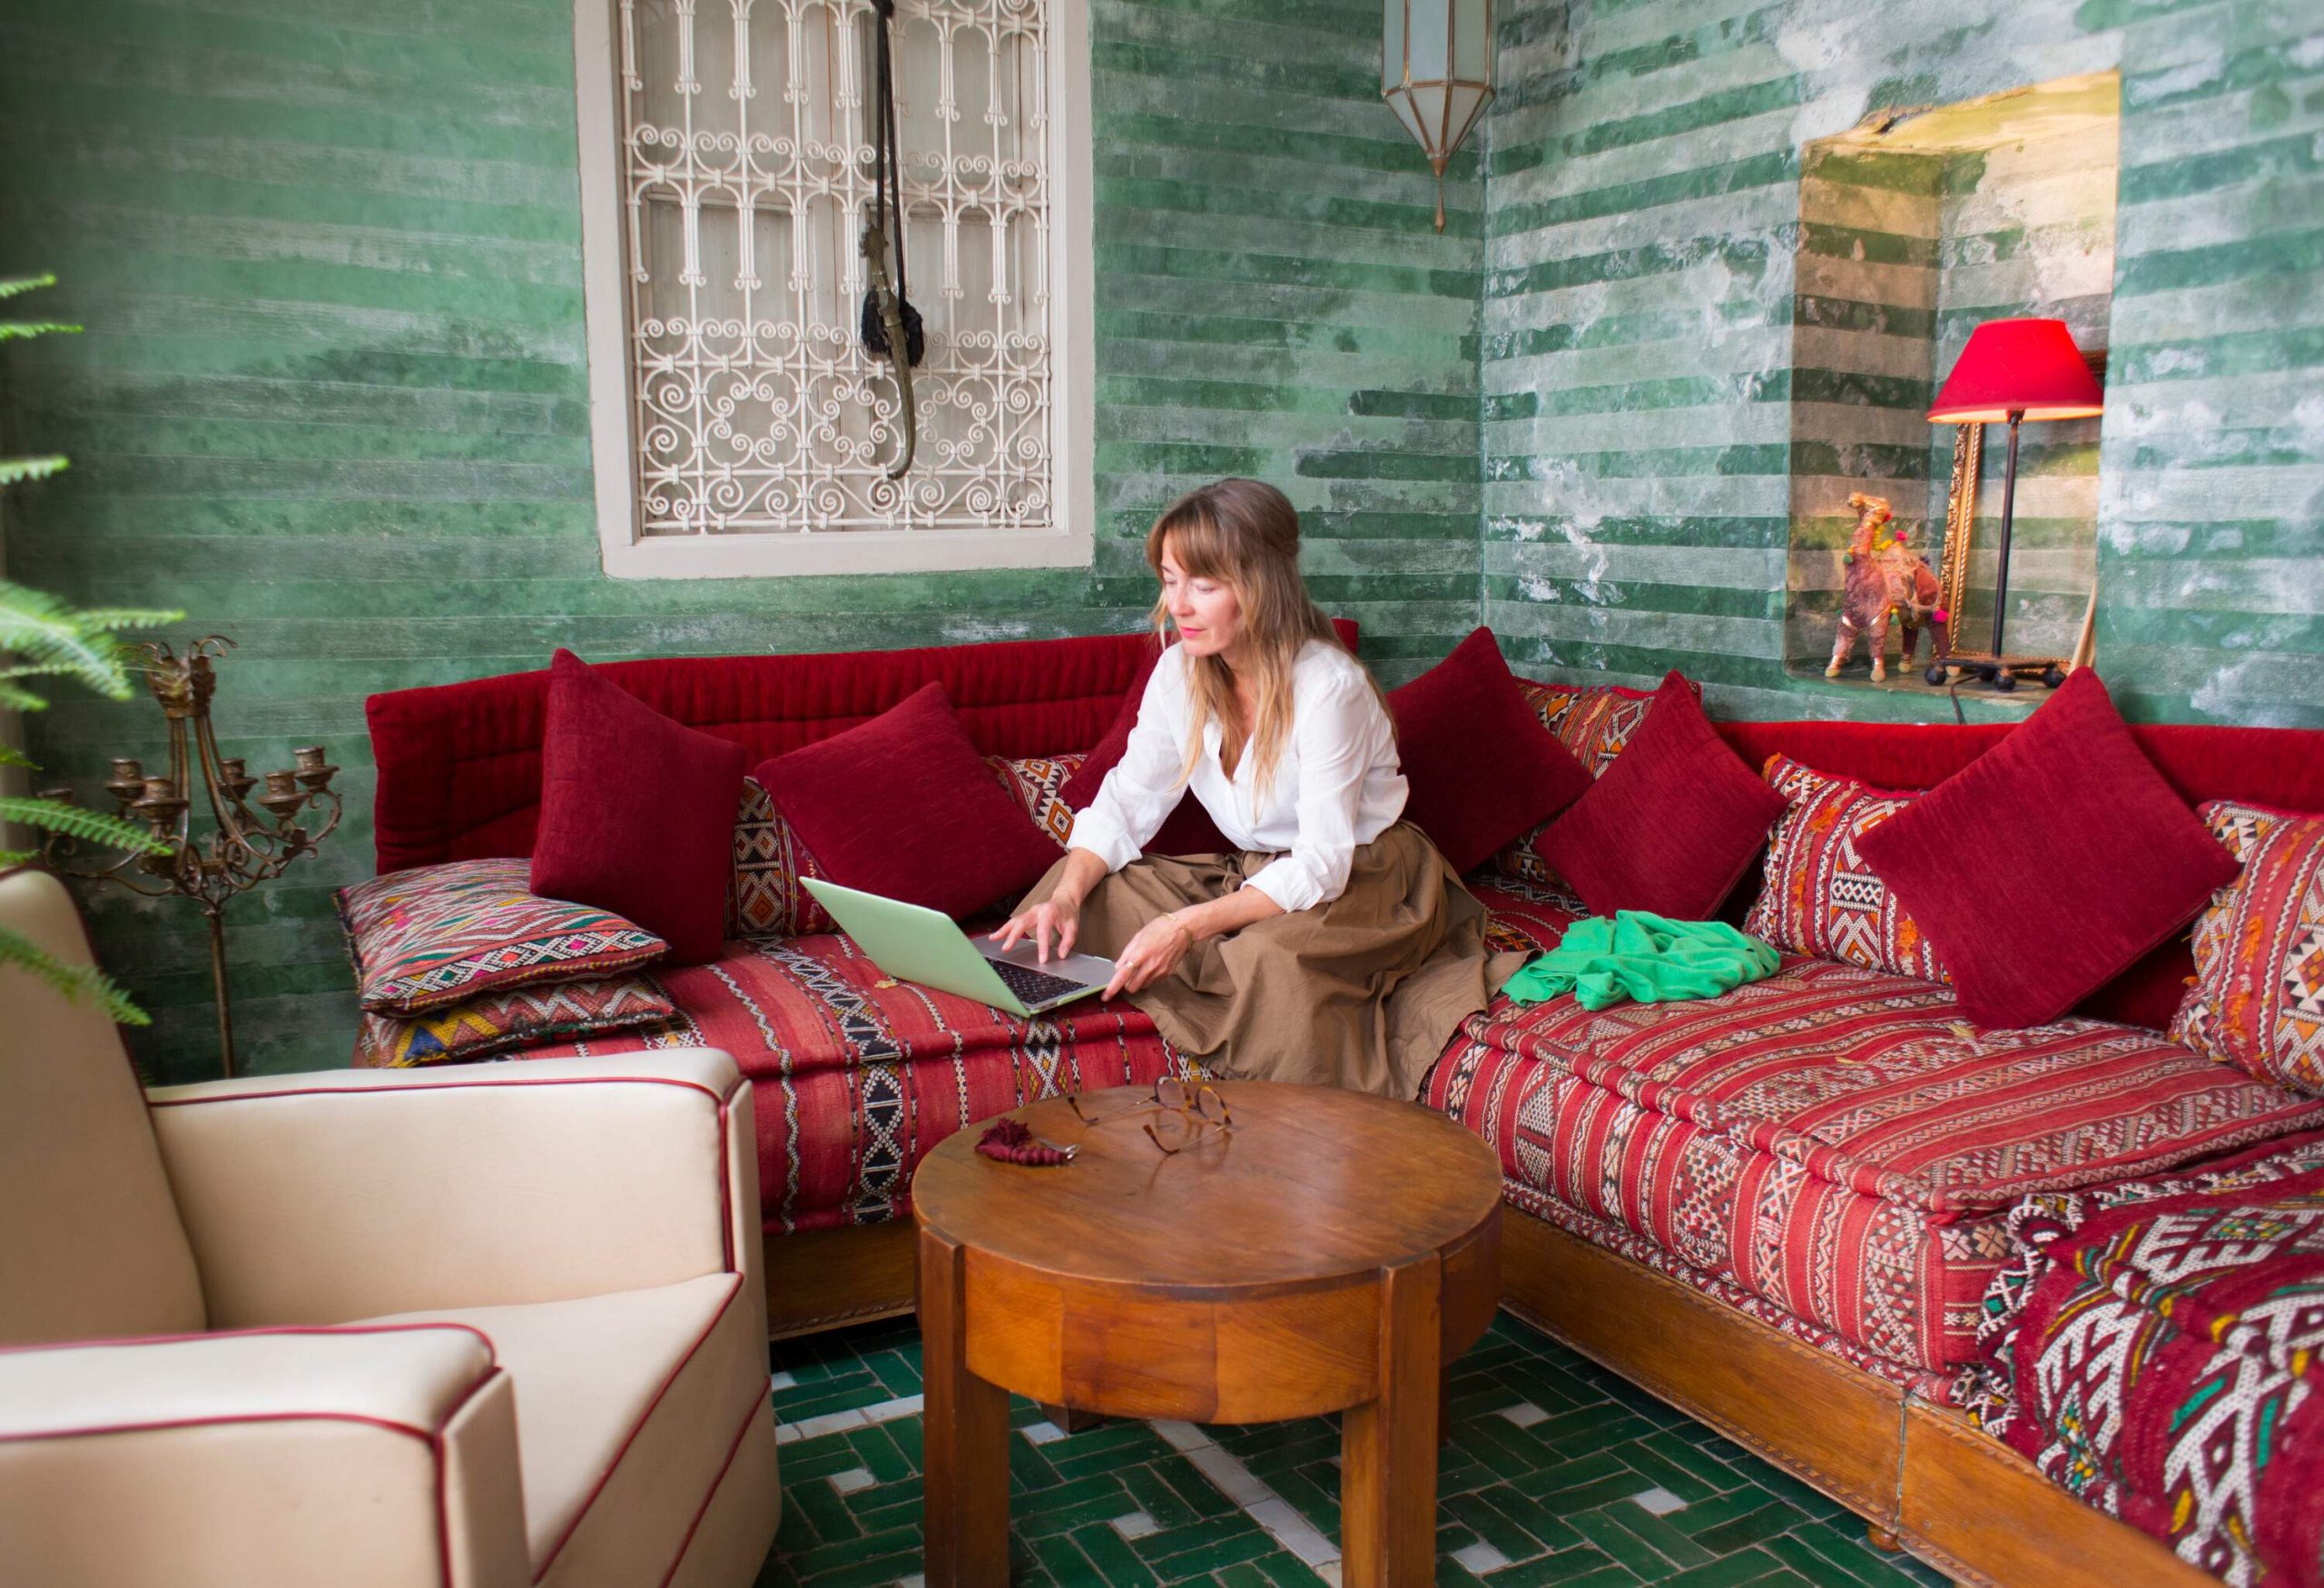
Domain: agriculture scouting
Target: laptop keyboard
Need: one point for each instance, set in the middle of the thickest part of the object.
(1034, 987)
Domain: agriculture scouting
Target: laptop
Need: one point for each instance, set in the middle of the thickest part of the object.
(914, 943)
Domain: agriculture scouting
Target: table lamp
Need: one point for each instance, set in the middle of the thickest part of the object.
(2015, 370)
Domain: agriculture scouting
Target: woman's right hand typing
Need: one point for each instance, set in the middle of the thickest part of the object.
(1056, 922)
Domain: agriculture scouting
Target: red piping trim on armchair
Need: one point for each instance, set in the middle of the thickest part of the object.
(756, 1406)
(431, 1437)
(116, 1342)
(604, 1477)
(723, 1099)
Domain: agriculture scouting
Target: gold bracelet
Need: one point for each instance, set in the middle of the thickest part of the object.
(1172, 917)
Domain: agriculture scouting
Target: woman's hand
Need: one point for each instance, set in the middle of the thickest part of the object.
(1151, 955)
(1055, 920)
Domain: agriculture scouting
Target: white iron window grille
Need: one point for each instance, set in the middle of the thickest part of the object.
(740, 425)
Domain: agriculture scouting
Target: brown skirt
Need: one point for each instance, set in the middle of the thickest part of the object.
(1363, 991)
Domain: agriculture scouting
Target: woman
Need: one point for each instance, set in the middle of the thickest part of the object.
(1337, 945)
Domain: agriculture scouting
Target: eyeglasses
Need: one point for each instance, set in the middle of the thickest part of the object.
(1187, 1113)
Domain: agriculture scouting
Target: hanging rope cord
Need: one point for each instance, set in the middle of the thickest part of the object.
(889, 321)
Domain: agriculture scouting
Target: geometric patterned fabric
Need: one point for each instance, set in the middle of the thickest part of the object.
(857, 1077)
(2164, 1367)
(1820, 897)
(510, 1017)
(763, 896)
(1834, 1140)
(2256, 1001)
(1593, 723)
(438, 934)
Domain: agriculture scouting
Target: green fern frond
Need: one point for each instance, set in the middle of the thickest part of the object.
(81, 983)
(16, 697)
(50, 634)
(12, 756)
(113, 620)
(16, 470)
(79, 822)
(24, 330)
(12, 285)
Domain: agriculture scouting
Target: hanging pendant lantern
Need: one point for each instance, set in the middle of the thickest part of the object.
(1436, 73)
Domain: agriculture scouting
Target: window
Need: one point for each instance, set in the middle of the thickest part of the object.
(738, 424)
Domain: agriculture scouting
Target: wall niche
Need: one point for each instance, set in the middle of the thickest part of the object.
(1915, 229)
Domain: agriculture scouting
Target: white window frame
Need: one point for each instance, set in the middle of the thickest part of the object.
(1068, 542)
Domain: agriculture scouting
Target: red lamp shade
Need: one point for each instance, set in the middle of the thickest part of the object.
(2028, 366)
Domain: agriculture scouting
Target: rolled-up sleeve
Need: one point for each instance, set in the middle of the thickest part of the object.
(1142, 790)
(1331, 735)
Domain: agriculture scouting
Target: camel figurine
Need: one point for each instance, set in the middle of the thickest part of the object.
(1885, 578)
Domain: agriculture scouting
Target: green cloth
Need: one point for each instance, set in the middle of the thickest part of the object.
(1634, 954)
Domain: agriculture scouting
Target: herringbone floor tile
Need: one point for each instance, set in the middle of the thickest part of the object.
(1557, 1473)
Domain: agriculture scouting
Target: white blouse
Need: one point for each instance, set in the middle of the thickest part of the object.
(1335, 787)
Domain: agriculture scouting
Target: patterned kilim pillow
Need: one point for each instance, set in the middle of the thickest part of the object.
(763, 898)
(440, 934)
(511, 1017)
(2256, 1001)
(1037, 782)
(1820, 897)
(1593, 721)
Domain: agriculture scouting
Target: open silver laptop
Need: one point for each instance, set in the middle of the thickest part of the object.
(914, 943)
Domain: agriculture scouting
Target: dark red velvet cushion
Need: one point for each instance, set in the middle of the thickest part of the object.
(637, 812)
(1672, 826)
(903, 805)
(1187, 830)
(1482, 768)
(2048, 864)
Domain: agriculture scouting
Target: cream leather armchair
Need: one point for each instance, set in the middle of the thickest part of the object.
(477, 1327)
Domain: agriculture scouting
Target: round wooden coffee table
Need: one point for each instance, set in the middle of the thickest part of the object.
(1333, 1252)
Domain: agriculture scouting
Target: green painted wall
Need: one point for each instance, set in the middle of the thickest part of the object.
(1642, 222)
(332, 399)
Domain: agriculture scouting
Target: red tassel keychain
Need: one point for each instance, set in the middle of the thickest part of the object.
(1008, 1141)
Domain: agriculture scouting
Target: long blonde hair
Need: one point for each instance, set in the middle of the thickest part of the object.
(1245, 535)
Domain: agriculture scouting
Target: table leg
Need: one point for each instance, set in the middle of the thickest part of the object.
(964, 1500)
(1388, 1447)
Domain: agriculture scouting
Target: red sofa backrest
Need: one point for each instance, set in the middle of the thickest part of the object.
(2270, 766)
(459, 764)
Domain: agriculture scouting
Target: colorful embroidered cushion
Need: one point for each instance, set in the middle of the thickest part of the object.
(438, 934)
(1039, 783)
(510, 1017)
(1593, 721)
(1820, 897)
(763, 898)
(2256, 1001)
(2051, 862)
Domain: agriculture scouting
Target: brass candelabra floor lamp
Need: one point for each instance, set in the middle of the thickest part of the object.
(243, 847)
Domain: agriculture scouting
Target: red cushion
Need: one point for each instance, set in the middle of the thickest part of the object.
(2050, 863)
(637, 812)
(1481, 767)
(903, 805)
(1673, 824)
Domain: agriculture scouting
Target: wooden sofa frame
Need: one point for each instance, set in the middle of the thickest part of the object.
(1921, 1476)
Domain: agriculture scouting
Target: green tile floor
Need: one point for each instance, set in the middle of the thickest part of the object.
(1557, 1473)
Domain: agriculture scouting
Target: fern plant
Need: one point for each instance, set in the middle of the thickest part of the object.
(43, 637)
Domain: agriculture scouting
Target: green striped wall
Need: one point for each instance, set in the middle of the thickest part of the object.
(1642, 220)
(332, 400)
